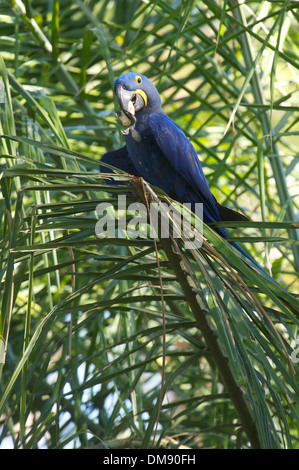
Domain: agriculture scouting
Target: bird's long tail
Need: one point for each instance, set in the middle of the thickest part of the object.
(257, 265)
(222, 231)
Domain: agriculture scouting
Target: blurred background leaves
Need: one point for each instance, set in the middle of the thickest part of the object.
(89, 360)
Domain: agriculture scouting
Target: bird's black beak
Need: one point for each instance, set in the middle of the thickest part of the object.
(130, 102)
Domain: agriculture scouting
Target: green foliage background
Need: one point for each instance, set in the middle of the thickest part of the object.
(102, 348)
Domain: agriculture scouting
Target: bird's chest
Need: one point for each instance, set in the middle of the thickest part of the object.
(150, 161)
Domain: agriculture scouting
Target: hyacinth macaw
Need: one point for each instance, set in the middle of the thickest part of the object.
(158, 150)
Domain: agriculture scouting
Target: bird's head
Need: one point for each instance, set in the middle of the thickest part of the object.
(135, 93)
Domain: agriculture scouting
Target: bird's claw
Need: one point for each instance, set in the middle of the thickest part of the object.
(127, 120)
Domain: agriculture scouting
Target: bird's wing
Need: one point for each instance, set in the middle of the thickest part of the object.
(119, 159)
(181, 154)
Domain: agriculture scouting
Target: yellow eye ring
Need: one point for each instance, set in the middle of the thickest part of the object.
(138, 80)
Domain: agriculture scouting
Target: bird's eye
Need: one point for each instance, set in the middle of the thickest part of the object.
(138, 80)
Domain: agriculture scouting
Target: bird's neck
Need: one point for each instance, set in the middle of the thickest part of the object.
(142, 118)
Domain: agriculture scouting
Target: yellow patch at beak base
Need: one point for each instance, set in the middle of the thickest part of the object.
(142, 94)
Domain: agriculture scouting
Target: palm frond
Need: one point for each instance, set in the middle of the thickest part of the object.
(139, 342)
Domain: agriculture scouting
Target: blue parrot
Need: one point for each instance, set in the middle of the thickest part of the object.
(158, 150)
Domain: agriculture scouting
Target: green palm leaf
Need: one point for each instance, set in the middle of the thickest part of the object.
(119, 342)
